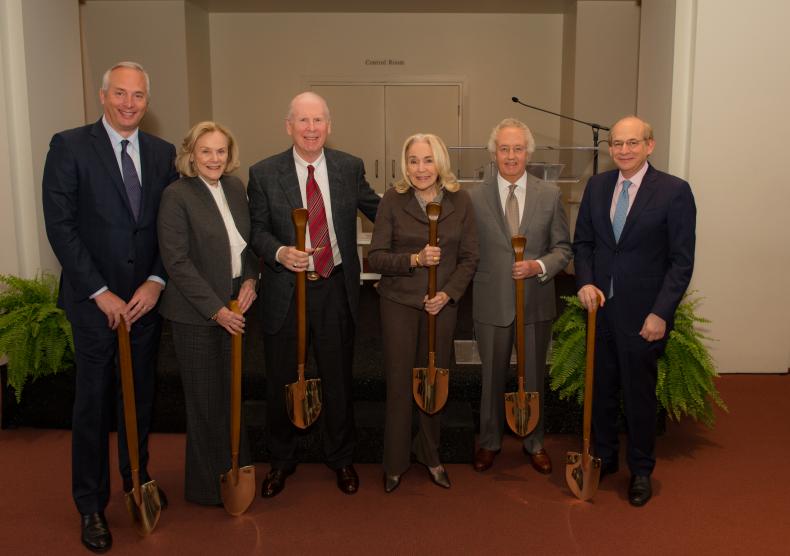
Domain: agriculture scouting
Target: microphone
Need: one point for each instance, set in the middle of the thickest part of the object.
(592, 125)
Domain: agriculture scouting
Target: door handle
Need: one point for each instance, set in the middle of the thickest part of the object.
(377, 168)
(393, 168)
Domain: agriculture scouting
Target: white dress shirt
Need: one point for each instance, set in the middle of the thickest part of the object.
(237, 243)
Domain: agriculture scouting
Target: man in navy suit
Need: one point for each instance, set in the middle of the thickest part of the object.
(101, 189)
(332, 185)
(634, 255)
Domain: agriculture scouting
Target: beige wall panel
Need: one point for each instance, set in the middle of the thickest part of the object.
(198, 52)
(607, 50)
(153, 34)
(55, 95)
(259, 61)
(738, 173)
(9, 248)
(656, 63)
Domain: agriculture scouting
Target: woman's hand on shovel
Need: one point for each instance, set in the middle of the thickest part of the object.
(436, 303)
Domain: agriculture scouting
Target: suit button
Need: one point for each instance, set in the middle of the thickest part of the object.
(616, 251)
(130, 261)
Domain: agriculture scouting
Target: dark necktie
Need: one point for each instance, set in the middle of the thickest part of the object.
(131, 181)
(323, 260)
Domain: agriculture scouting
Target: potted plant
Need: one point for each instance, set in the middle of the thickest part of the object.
(686, 372)
(34, 333)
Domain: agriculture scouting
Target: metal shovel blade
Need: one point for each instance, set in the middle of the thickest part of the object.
(144, 507)
(582, 473)
(303, 401)
(430, 395)
(522, 413)
(238, 491)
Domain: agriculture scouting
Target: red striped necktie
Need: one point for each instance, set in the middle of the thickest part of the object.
(323, 261)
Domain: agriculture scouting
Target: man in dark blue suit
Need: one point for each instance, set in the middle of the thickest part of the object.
(332, 185)
(101, 189)
(634, 255)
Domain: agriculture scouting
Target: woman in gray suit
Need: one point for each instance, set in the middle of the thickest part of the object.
(399, 252)
(204, 227)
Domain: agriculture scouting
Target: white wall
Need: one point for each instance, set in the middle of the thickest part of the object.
(41, 94)
(736, 155)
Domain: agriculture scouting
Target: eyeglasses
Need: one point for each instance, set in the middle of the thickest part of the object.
(631, 144)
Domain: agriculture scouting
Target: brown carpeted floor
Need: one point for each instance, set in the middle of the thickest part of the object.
(719, 491)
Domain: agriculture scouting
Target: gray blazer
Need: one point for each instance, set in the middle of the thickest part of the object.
(545, 225)
(195, 249)
(274, 193)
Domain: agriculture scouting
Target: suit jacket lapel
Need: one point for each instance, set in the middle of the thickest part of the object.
(335, 185)
(104, 150)
(530, 203)
(146, 166)
(605, 206)
(495, 204)
(289, 180)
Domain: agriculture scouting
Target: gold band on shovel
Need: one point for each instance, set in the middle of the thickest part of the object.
(430, 385)
(143, 500)
(303, 397)
(237, 486)
(583, 471)
(522, 409)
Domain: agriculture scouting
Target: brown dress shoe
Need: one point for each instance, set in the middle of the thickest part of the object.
(484, 459)
(347, 479)
(541, 461)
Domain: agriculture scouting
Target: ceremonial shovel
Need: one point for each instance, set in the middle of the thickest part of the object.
(303, 397)
(583, 471)
(143, 500)
(430, 385)
(522, 409)
(237, 486)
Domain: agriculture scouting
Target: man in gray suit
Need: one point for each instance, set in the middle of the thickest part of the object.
(332, 185)
(508, 204)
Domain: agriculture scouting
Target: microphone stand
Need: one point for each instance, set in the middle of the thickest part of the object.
(595, 128)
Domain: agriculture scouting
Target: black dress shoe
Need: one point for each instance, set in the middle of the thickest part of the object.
(128, 486)
(347, 479)
(639, 490)
(391, 482)
(439, 477)
(274, 482)
(96, 533)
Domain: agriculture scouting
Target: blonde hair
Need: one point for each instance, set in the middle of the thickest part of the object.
(518, 124)
(186, 167)
(441, 160)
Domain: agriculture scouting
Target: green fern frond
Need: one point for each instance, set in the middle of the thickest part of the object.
(34, 332)
(685, 384)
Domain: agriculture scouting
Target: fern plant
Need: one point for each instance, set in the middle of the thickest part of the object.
(686, 373)
(34, 333)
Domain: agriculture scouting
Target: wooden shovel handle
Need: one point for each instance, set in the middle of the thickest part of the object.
(235, 392)
(433, 210)
(519, 243)
(588, 376)
(299, 217)
(129, 406)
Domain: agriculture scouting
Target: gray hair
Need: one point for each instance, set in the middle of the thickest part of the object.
(511, 122)
(105, 80)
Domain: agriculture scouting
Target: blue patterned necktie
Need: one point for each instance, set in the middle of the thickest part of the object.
(620, 211)
(130, 180)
